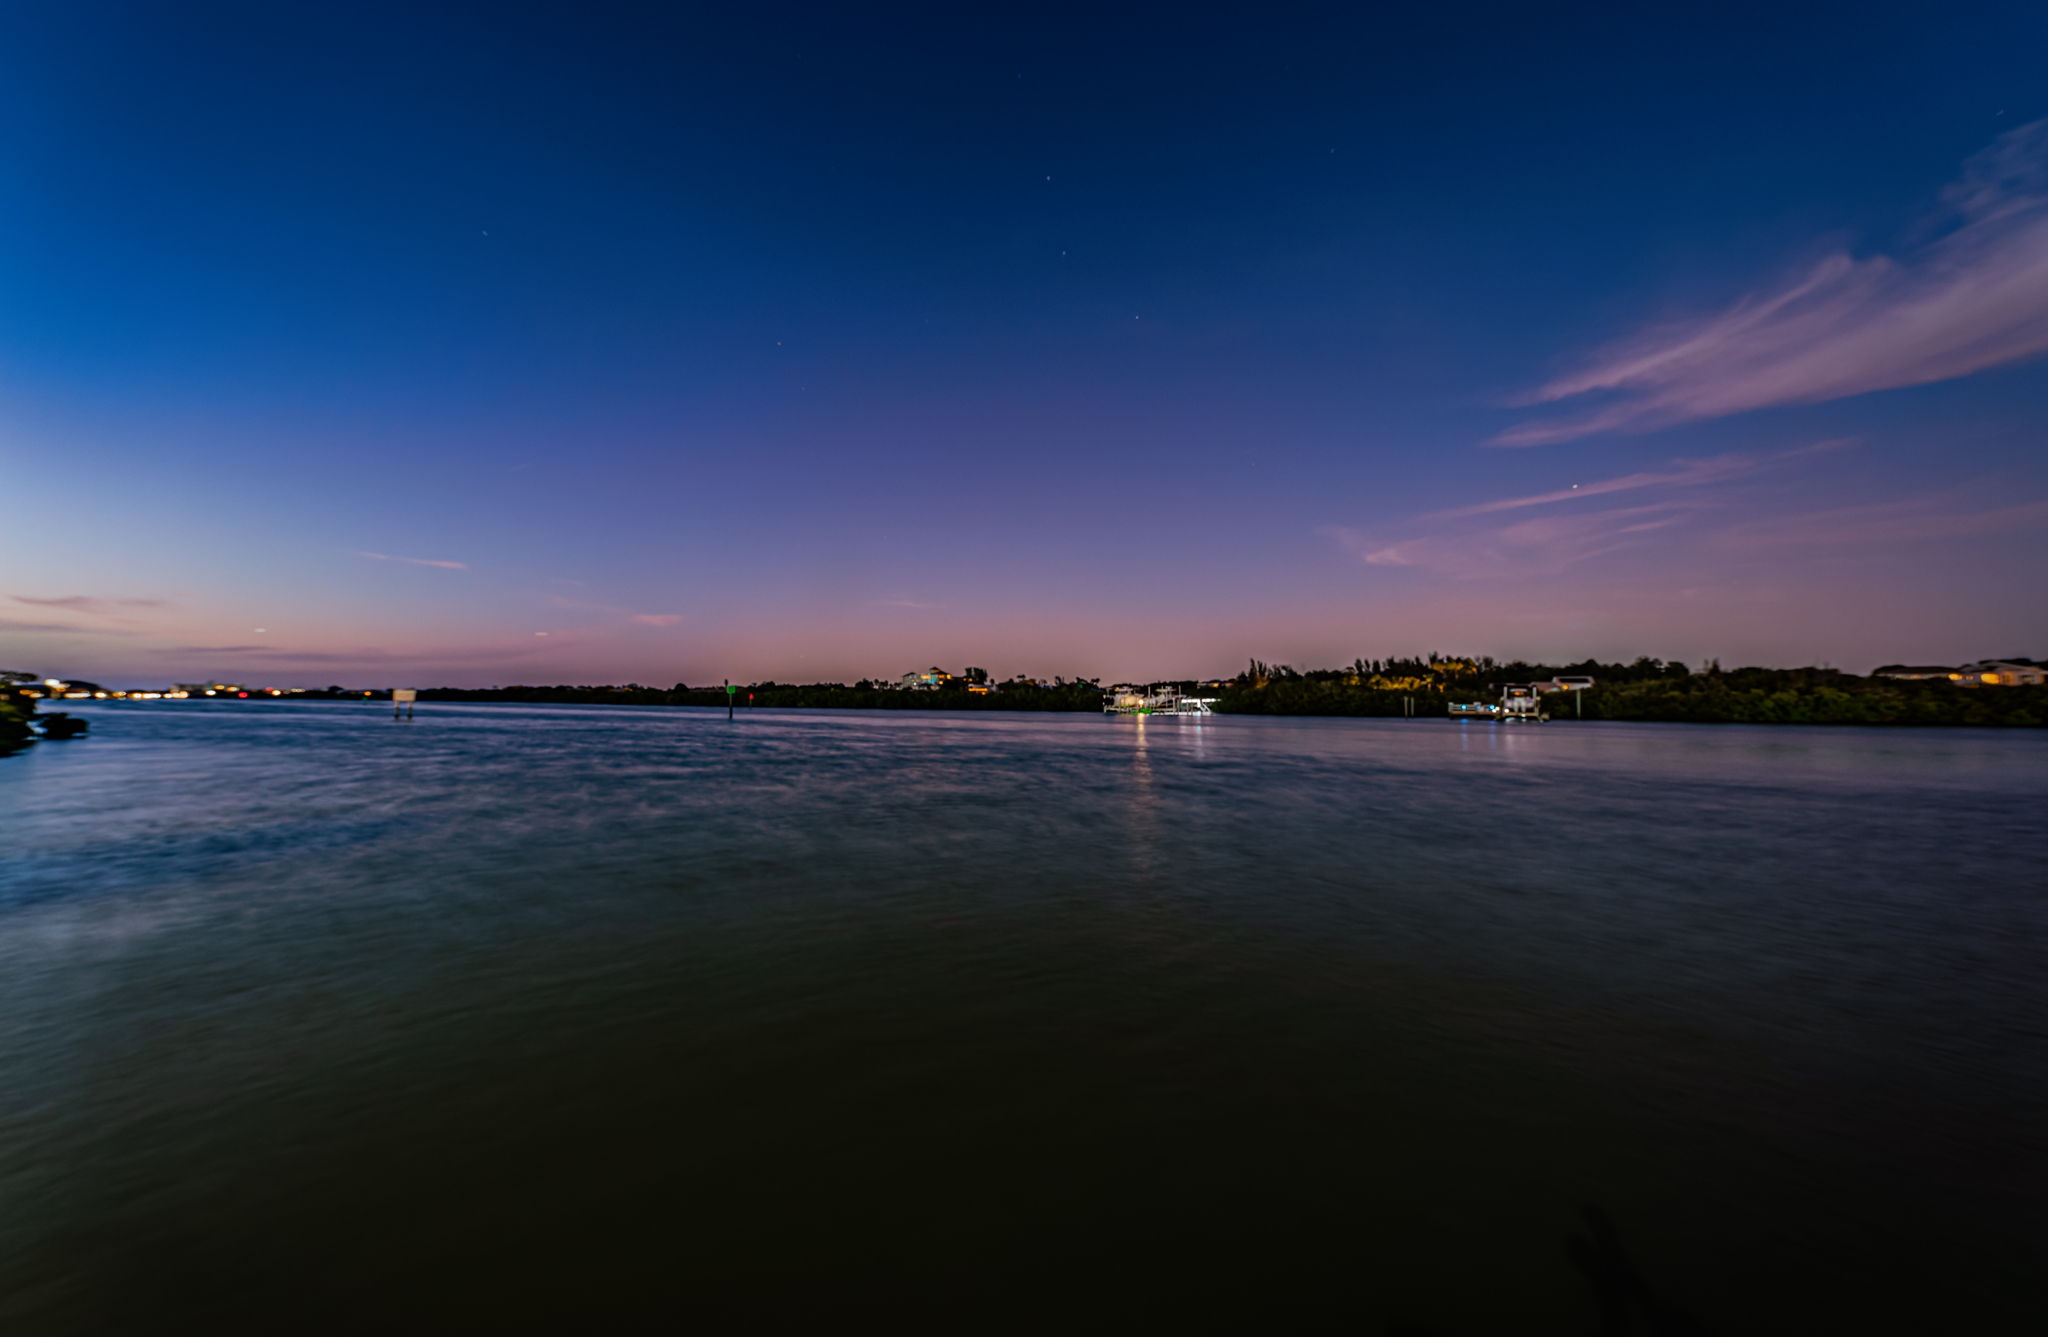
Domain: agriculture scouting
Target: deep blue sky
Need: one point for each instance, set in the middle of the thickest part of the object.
(819, 341)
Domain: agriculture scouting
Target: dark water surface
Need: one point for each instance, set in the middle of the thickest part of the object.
(567, 1019)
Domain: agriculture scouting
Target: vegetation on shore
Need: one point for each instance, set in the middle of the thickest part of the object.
(1060, 694)
(20, 724)
(1647, 689)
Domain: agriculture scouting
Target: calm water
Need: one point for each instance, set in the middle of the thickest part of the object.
(553, 1019)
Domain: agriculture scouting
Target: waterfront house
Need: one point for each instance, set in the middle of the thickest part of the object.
(1983, 673)
(2001, 673)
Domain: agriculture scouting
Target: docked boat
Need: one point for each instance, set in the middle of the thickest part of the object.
(1134, 700)
(1520, 702)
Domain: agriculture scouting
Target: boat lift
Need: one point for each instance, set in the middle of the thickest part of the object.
(1134, 700)
(1520, 702)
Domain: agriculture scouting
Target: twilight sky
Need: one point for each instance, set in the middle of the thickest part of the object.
(606, 342)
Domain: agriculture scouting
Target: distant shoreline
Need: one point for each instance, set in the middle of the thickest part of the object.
(1735, 698)
(1645, 690)
(458, 697)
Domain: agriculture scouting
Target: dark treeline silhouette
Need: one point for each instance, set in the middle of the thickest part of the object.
(1647, 689)
(20, 723)
(17, 713)
(1060, 694)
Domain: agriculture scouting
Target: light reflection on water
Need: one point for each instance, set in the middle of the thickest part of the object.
(517, 1017)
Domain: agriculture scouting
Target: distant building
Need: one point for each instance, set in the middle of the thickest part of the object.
(1983, 673)
(2001, 673)
(56, 689)
(929, 681)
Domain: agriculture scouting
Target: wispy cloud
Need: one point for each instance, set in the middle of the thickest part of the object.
(87, 603)
(1693, 506)
(630, 615)
(1909, 520)
(1680, 473)
(1974, 298)
(60, 628)
(367, 656)
(1492, 539)
(1541, 546)
(415, 561)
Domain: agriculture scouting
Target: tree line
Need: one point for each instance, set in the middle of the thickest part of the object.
(20, 723)
(1645, 689)
(1642, 689)
(1078, 694)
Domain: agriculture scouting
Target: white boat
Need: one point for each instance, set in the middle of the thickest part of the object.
(1520, 702)
(1134, 700)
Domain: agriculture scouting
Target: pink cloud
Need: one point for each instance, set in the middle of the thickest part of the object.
(1545, 545)
(1476, 543)
(87, 603)
(369, 656)
(415, 561)
(638, 619)
(1682, 473)
(1974, 298)
(1908, 520)
(60, 629)
(1471, 542)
